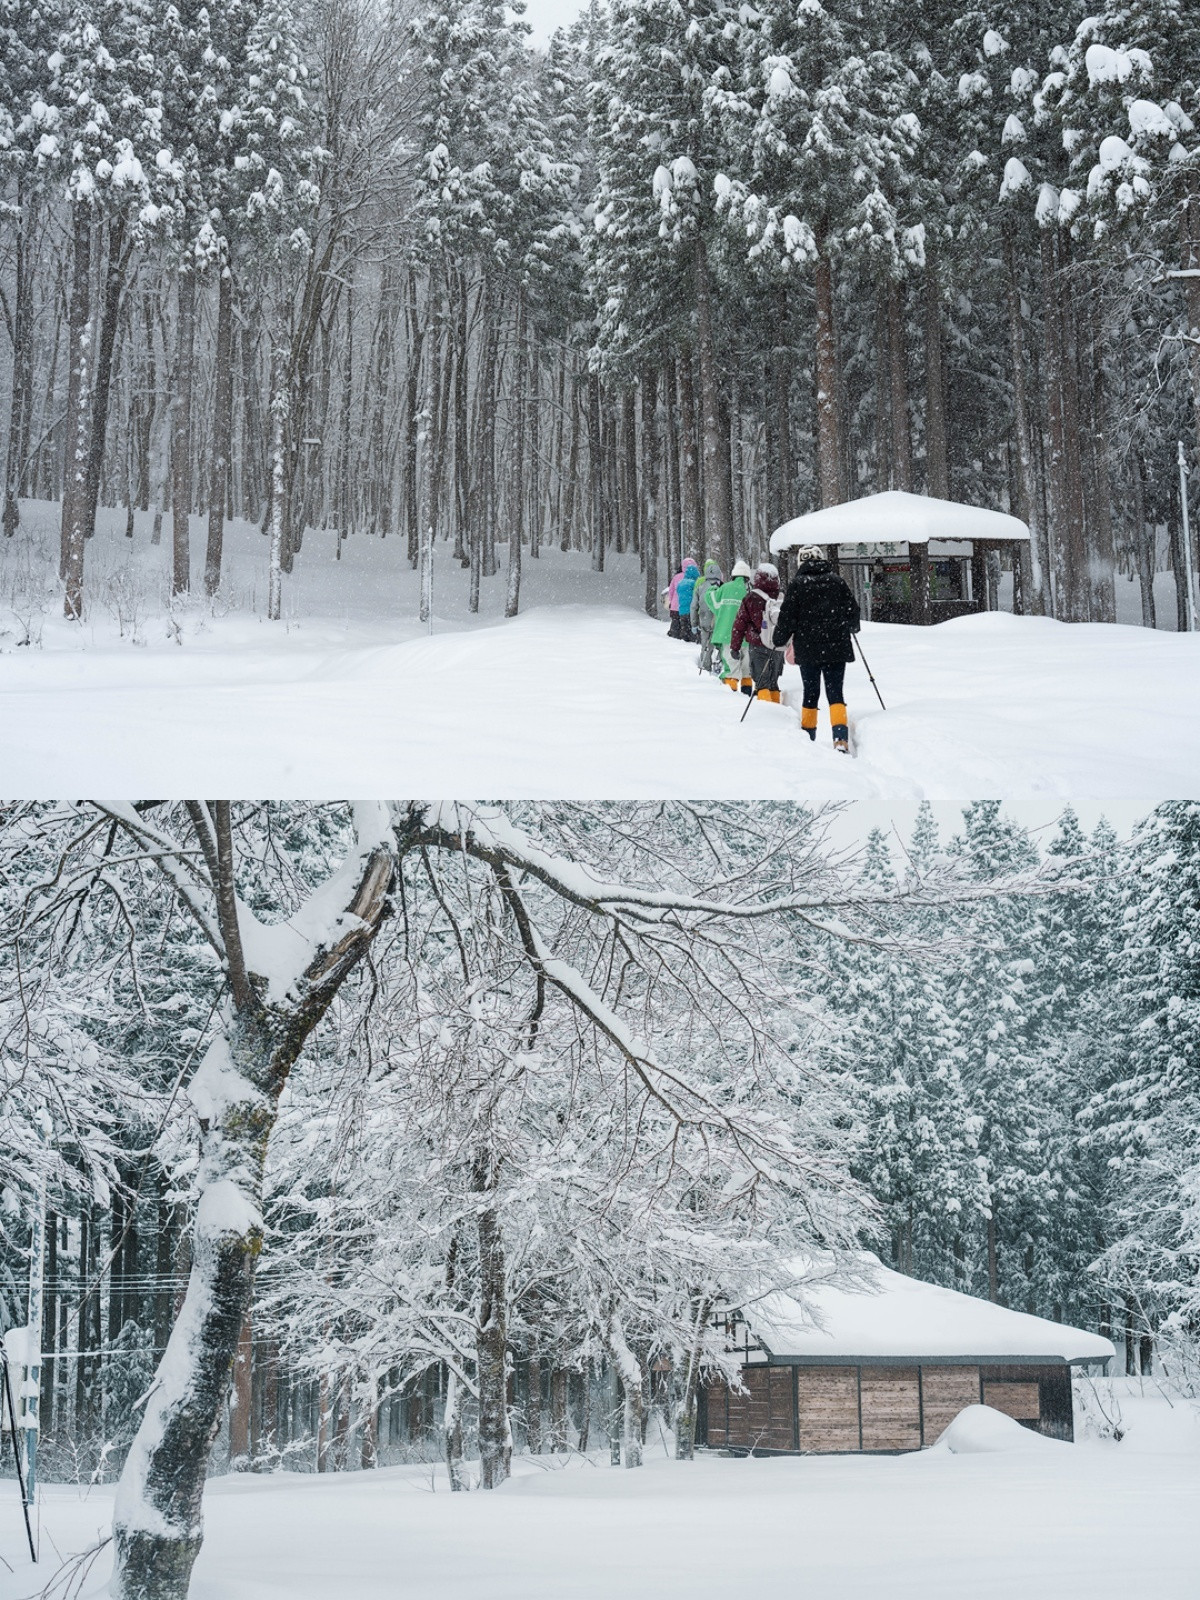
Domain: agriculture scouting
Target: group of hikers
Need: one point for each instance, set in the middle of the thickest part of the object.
(746, 632)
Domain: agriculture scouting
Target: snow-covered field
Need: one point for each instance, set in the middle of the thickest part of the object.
(581, 695)
(1053, 1522)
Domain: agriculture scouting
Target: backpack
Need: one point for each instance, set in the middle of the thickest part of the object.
(771, 610)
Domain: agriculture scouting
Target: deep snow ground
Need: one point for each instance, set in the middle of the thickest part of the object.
(582, 695)
(1085, 1522)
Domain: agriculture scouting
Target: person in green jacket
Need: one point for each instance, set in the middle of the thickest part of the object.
(702, 615)
(724, 603)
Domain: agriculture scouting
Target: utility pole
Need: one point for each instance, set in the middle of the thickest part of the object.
(1188, 577)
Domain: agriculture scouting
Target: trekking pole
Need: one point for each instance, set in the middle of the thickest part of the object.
(870, 674)
(12, 1433)
(752, 699)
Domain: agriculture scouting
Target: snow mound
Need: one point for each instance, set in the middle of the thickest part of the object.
(981, 1430)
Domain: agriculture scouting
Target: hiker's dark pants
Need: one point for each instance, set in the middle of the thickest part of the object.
(765, 666)
(834, 673)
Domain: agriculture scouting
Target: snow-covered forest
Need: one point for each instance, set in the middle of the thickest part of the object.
(452, 1128)
(383, 268)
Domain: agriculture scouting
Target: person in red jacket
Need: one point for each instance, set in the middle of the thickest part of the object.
(754, 625)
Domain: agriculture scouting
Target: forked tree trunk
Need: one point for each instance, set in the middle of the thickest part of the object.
(157, 1523)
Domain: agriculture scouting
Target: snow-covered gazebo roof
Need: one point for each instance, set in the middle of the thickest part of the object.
(896, 517)
(890, 1317)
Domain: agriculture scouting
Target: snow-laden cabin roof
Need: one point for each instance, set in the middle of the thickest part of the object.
(893, 1317)
(896, 517)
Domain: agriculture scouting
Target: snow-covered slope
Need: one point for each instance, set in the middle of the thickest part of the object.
(581, 695)
(597, 702)
(1052, 1522)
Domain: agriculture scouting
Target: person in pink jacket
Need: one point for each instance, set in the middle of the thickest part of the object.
(681, 627)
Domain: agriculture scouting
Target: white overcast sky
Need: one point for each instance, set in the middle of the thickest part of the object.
(544, 16)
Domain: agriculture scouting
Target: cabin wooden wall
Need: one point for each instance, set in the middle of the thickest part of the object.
(829, 1410)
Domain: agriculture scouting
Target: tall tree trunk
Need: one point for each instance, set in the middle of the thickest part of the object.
(1102, 565)
(685, 1421)
(718, 519)
(632, 518)
(181, 431)
(902, 462)
(937, 460)
(279, 402)
(20, 415)
(1038, 553)
(595, 472)
(1144, 543)
(79, 381)
(114, 286)
(829, 425)
(157, 1521)
(632, 1383)
(222, 428)
(516, 532)
(649, 476)
(1056, 463)
(691, 535)
(491, 1340)
(412, 422)
(1189, 225)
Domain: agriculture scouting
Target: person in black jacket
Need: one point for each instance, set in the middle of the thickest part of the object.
(819, 614)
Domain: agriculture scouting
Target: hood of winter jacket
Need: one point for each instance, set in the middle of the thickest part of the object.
(766, 583)
(814, 567)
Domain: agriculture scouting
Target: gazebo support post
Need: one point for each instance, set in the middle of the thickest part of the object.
(918, 578)
(979, 574)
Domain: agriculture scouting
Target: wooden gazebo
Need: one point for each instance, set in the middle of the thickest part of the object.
(909, 557)
(886, 1365)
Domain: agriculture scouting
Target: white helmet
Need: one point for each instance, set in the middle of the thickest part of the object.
(741, 570)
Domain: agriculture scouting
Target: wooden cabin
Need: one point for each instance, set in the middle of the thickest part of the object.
(909, 557)
(885, 1366)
